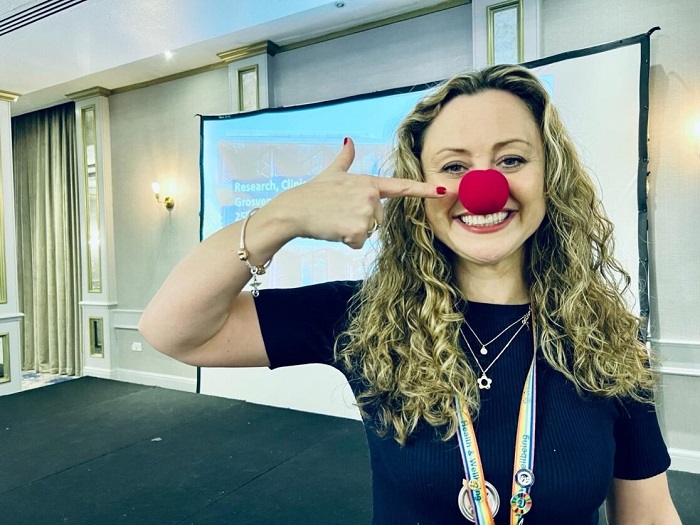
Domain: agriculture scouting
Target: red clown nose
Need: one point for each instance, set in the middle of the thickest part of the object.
(483, 191)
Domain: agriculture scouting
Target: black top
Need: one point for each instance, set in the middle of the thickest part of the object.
(581, 443)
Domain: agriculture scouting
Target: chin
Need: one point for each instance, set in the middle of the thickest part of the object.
(486, 258)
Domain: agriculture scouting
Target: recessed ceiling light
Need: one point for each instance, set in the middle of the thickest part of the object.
(168, 55)
(340, 4)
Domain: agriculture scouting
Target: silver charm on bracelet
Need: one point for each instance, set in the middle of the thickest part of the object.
(243, 255)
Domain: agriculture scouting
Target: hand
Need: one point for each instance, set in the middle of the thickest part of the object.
(340, 206)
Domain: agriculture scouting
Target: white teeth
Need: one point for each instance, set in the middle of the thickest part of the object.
(484, 220)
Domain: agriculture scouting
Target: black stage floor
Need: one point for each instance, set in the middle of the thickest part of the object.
(94, 451)
(97, 452)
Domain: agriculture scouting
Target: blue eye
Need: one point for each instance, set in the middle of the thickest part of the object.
(456, 169)
(512, 162)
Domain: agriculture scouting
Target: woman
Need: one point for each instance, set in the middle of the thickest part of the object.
(464, 416)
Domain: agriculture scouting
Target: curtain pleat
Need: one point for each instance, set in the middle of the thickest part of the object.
(46, 194)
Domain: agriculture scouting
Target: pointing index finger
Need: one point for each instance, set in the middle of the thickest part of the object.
(408, 188)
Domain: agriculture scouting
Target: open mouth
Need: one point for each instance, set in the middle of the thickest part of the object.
(484, 220)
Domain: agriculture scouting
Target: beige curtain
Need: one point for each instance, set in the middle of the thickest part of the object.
(46, 203)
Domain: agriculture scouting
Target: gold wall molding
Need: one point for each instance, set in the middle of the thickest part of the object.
(96, 91)
(3, 267)
(96, 325)
(491, 31)
(6, 376)
(251, 50)
(8, 96)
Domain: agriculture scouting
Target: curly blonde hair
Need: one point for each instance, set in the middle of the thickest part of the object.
(411, 363)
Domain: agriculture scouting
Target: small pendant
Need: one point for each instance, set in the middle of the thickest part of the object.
(525, 478)
(484, 382)
(464, 500)
(255, 285)
(483, 350)
(521, 503)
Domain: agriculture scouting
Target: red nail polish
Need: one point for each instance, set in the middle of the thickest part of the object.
(441, 190)
(345, 141)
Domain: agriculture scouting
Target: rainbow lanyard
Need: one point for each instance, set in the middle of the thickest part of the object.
(523, 478)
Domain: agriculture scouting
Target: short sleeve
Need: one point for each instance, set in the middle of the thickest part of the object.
(300, 325)
(640, 451)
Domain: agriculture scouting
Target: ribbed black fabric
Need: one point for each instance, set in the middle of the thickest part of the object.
(580, 442)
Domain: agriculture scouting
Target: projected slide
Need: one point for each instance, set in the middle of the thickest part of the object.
(248, 159)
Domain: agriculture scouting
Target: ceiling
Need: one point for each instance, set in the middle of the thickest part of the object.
(49, 48)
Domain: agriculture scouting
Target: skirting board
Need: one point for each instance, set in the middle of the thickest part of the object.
(98, 372)
(144, 378)
(685, 460)
(684, 370)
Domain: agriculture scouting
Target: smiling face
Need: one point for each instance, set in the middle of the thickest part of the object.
(492, 129)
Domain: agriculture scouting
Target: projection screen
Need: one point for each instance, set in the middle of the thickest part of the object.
(247, 158)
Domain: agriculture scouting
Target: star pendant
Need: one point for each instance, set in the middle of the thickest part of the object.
(484, 382)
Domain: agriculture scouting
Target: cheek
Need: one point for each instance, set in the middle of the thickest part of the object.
(436, 209)
(429, 206)
(528, 191)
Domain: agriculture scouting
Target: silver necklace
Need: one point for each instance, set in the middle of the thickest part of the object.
(485, 381)
(484, 350)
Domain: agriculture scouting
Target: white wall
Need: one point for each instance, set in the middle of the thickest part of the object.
(674, 189)
(10, 317)
(155, 137)
(415, 51)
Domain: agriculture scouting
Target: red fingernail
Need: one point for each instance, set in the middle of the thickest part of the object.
(345, 141)
(441, 190)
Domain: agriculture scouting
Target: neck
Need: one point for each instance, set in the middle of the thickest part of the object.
(494, 285)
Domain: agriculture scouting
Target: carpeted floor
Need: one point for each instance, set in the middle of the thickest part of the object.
(93, 451)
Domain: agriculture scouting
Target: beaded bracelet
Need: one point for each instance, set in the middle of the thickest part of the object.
(243, 255)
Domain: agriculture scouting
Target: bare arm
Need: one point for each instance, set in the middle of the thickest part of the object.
(641, 502)
(199, 315)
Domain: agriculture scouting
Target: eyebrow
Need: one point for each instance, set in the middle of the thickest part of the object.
(497, 145)
(510, 141)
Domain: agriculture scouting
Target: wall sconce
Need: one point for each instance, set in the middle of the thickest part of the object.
(168, 201)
